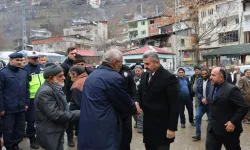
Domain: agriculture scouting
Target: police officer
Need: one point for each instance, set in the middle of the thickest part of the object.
(35, 76)
(14, 100)
(127, 120)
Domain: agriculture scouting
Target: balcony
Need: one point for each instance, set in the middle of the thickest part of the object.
(246, 26)
(246, 13)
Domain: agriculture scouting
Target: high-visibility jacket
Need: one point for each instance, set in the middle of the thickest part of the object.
(36, 78)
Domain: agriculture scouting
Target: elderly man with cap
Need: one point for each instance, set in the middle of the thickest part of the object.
(14, 101)
(35, 76)
(52, 109)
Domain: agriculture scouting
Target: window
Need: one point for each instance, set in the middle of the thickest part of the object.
(247, 37)
(210, 12)
(143, 23)
(207, 41)
(164, 60)
(228, 37)
(133, 34)
(143, 32)
(203, 14)
(152, 43)
(204, 27)
(133, 25)
(237, 21)
(210, 25)
(182, 42)
(224, 23)
(152, 21)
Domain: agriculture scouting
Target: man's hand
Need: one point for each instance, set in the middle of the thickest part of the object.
(2, 113)
(170, 134)
(230, 126)
(26, 108)
(139, 111)
(1, 142)
(204, 101)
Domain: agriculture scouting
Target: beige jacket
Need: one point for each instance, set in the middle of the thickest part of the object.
(244, 87)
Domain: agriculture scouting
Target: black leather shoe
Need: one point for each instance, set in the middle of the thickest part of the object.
(33, 143)
(71, 142)
(196, 138)
(16, 147)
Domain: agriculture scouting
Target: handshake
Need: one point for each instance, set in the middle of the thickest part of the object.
(139, 111)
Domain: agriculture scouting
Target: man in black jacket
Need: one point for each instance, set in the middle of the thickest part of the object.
(127, 120)
(160, 103)
(194, 79)
(79, 61)
(228, 75)
(1, 133)
(228, 108)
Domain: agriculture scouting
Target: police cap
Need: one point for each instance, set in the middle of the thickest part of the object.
(16, 55)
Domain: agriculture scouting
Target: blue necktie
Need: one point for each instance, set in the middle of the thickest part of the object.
(214, 92)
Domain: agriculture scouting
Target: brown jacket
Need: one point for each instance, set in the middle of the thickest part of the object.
(76, 90)
(244, 87)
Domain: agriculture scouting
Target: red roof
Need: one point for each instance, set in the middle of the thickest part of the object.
(90, 53)
(146, 48)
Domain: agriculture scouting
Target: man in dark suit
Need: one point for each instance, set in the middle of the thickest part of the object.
(158, 95)
(228, 108)
(228, 75)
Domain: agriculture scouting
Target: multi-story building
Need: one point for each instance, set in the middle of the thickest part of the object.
(40, 34)
(97, 32)
(220, 24)
(246, 20)
(138, 29)
(61, 43)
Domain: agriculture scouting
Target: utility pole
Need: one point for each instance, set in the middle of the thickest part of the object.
(177, 29)
(24, 35)
(141, 10)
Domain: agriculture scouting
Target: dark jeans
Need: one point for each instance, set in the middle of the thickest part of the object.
(200, 111)
(186, 101)
(160, 147)
(30, 119)
(14, 125)
(126, 132)
(214, 142)
(70, 132)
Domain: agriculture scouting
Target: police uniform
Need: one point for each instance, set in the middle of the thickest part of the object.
(36, 79)
(14, 97)
(127, 120)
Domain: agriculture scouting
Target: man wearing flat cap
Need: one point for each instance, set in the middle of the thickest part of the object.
(14, 100)
(35, 76)
(52, 109)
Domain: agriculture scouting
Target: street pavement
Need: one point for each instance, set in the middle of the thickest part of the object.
(183, 139)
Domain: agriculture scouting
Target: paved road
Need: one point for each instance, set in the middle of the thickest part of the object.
(183, 139)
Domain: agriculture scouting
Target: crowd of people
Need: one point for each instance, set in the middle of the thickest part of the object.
(43, 100)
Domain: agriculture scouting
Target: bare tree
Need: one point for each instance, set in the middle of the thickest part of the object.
(202, 29)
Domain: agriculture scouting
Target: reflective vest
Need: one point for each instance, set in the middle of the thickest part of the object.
(36, 80)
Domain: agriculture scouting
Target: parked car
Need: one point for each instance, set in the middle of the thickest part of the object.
(244, 67)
